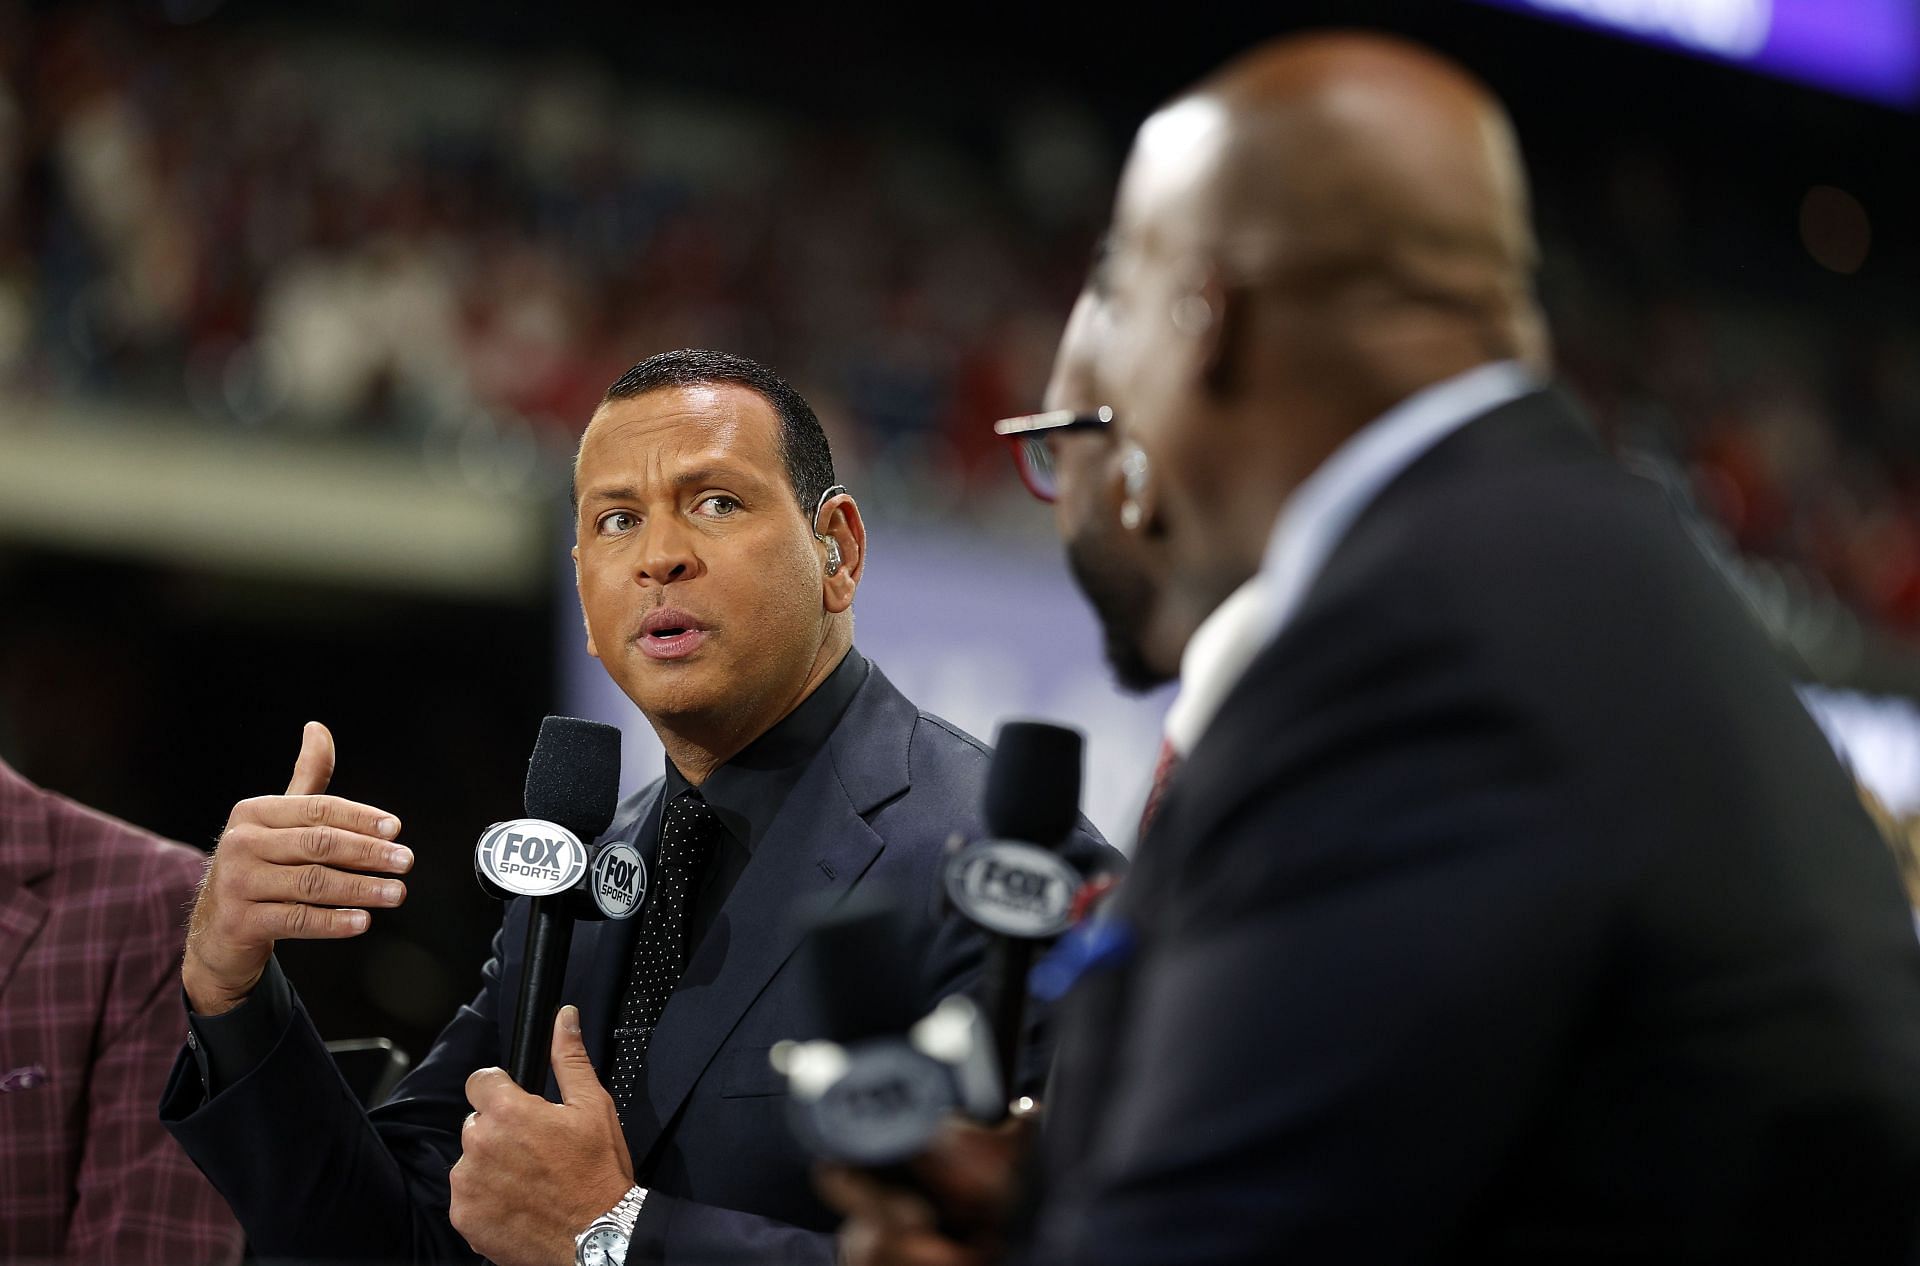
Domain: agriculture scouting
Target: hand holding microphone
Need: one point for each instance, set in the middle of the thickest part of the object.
(303, 865)
(878, 1095)
(532, 1173)
(957, 1212)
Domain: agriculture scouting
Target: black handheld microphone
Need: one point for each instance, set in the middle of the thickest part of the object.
(876, 1086)
(1013, 884)
(573, 788)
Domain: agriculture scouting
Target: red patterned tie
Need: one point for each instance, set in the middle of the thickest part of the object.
(1162, 775)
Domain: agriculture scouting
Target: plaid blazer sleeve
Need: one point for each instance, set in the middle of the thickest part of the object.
(138, 1197)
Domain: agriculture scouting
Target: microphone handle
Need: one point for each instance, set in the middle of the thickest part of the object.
(544, 968)
(1008, 962)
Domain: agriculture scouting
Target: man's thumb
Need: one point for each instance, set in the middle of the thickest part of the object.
(314, 769)
(572, 1066)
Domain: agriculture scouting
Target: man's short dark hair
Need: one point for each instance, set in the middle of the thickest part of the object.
(803, 445)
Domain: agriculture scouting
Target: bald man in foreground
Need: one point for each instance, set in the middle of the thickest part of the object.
(1506, 907)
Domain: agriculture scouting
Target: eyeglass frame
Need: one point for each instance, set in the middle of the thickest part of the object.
(1034, 427)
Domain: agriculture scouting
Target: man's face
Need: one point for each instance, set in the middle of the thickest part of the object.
(1131, 351)
(1111, 565)
(1123, 348)
(697, 570)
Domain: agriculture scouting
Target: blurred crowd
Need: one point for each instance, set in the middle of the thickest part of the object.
(337, 234)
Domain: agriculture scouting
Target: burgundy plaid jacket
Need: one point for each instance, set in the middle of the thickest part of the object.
(92, 918)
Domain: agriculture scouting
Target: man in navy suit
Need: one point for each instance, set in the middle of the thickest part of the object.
(1506, 906)
(716, 564)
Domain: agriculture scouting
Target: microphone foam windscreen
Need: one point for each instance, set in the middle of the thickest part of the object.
(851, 960)
(1033, 784)
(573, 777)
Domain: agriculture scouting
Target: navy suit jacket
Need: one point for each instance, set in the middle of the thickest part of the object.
(313, 1176)
(1510, 910)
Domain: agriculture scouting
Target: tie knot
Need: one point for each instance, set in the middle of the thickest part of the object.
(688, 832)
(688, 806)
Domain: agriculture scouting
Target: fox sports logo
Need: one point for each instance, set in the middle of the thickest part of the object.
(531, 857)
(619, 880)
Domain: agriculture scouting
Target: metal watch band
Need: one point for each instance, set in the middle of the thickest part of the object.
(621, 1218)
(626, 1210)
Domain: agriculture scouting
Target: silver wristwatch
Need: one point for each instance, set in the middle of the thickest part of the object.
(604, 1242)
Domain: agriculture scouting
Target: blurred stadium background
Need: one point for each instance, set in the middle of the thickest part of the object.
(302, 309)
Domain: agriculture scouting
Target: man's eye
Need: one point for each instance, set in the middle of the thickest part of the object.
(615, 522)
(718, 506)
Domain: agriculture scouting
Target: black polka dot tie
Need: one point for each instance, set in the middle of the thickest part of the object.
(687, 838)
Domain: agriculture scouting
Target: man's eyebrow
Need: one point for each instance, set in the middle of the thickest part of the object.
(619, 492)
(723, 475)
(713, 475)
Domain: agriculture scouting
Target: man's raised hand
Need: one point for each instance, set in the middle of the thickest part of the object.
(304, 865)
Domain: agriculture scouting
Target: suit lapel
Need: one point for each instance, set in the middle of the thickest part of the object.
(22, 914)
(26, 855)
(817, 848)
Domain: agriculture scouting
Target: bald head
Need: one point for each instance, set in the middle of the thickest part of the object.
(1312, 234)
(1353, 167)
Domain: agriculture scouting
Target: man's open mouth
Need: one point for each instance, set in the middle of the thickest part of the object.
(670, 634)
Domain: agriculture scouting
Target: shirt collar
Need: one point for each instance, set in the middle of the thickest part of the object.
(746, 792)
(1217, 653)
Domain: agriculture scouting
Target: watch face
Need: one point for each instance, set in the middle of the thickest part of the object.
(606, 1246)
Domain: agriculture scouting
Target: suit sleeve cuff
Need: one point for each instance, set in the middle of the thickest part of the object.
(648, 1243)
(228, 1046)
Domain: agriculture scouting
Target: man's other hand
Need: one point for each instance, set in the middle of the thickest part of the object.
(533, 1174)
(958, 1217)
(288, 867)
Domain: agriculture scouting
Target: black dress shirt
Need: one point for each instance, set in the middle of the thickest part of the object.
(747, 792)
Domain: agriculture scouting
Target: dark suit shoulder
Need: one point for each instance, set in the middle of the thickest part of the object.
(1507, 514)
(1559, 575)
(1517, 609)
(940, 750)
(1533, 618)
(948, 770)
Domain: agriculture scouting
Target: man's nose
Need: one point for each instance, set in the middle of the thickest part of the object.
(666, 553)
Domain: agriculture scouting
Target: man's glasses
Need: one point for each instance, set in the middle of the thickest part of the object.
(1033, 454)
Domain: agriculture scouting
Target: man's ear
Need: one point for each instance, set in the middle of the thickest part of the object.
(591, 648)
(1214, 315)
(840, 522)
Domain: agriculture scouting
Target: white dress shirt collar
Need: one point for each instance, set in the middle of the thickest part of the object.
(1217, 654)
(1312, 523)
